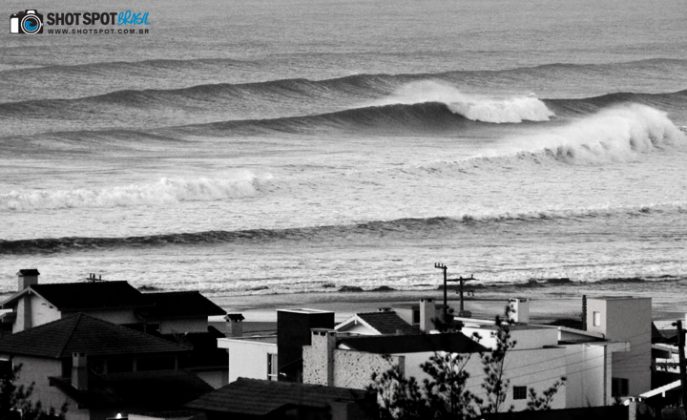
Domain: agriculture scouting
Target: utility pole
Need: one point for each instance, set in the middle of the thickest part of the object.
(683, 368)
(445, 270)
(462, 281)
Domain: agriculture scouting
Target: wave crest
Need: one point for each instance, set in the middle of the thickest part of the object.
(164, 191)
(483, 108)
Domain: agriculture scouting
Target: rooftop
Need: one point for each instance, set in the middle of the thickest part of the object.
(180, 304)
(84, 334)
(75, 297)
(385, 322)
(391, 344)
(249, 397)
(28, 272)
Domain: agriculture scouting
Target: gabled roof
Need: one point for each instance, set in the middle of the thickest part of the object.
(384, 322)
(258, 397)
(84, 334)
(415, 343)
(146, 390)
(180, 304)
(75, 297)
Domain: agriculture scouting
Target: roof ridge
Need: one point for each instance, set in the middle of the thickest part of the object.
(78, 317)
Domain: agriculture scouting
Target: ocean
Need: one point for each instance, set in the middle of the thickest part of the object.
(300, 146)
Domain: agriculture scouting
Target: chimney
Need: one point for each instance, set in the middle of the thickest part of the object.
(428, 313)
(27, 277)
(323, 343)
(521, 310)
(234, 324)
(79, 371)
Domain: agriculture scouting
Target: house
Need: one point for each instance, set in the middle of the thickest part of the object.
(181, 317)
(113, 301)
(625, 319)
(36, 304)
(100, 369)
(260, 399)
(384, 321)
(272, 356)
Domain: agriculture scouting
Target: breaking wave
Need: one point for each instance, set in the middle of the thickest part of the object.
(412, 227)
(165, 190)
(618, 133)
(484, 108)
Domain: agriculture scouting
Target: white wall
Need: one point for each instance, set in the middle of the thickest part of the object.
(626, 319)
(587, 383)
(530, 338)
(247, 358)
(41, 311)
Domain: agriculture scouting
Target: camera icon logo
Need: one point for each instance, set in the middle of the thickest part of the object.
(26, 22)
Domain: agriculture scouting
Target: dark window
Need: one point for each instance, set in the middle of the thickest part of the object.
(519, 392)
(416, 316)
(620, 387)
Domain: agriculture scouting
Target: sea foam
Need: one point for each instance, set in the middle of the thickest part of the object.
(166, 190)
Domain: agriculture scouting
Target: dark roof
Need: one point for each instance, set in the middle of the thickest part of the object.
(143, 390)
(29, 272)
(387, 322)
(180, 304)
(235, 317)
(204, 351)
(84, 334)
(388, 344)
(76, 297)
(260, 397)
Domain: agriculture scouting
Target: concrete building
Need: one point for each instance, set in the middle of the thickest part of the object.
(625, 319)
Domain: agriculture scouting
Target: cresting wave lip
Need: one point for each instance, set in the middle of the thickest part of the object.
(404, 227)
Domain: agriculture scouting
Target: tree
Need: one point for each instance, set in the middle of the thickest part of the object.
(444, 394)
(15, 400)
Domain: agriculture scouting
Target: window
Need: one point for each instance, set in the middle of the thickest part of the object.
(597, 319)
(272, 367)
(519, 392)
(620, 387)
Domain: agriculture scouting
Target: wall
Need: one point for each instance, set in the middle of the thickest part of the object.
(37, 370)
(41, 310)
(526, 338)
(587, 383)
(214, 378)
(247, 358)
(115, 316)
(626, 319)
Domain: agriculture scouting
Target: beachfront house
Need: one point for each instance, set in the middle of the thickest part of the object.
(100, 369)
(543, 354)
(180, 317)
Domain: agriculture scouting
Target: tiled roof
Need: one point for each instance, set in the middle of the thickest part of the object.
(146, 390)
(387, 322)
(388, 344)
(75, 297)
(84, 334)
(257, 397)
(180, 304)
